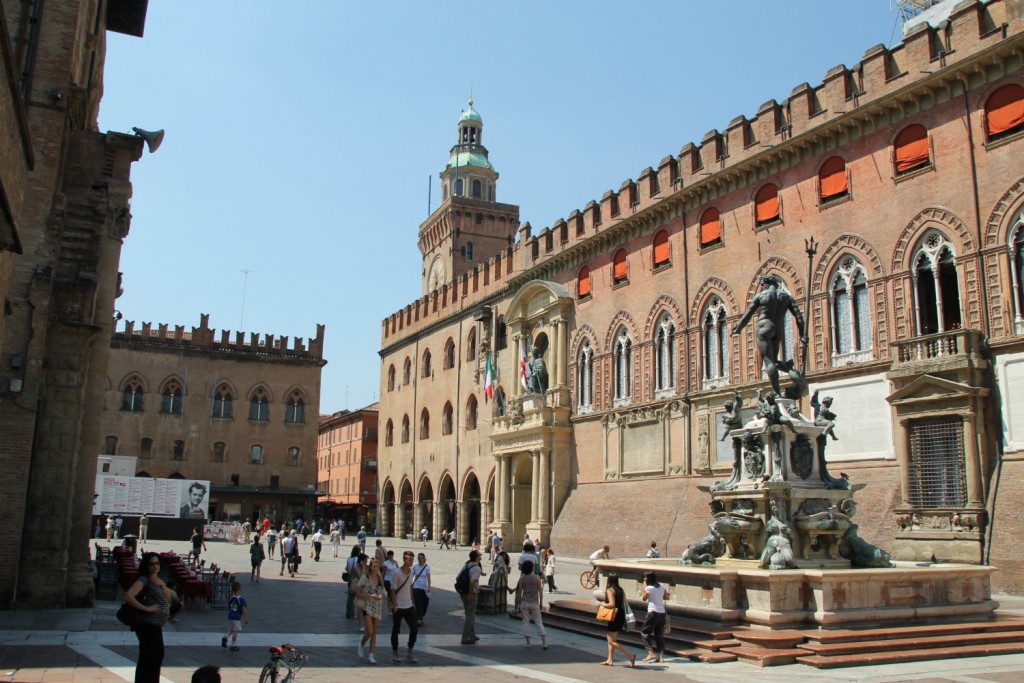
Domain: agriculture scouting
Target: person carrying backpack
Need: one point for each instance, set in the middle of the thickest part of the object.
(467, 585)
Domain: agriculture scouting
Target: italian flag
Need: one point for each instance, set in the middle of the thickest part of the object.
(489, 379)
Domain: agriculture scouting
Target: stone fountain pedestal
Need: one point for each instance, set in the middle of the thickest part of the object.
(783, 549)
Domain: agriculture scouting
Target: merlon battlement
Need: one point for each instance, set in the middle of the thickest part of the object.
(204, 337)
(466, 291)
(846, 96)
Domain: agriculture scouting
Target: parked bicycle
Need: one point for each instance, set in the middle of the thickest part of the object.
(290, 658)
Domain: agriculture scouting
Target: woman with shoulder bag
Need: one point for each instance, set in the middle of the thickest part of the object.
(653, 629)
(151, 596)
(369, 599)
(615, 599)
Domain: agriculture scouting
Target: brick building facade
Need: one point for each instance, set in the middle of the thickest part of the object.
(347, 467)
(64, 213)
(905, 170)
(238, 410)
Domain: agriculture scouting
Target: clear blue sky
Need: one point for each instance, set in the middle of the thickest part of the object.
(301, 136)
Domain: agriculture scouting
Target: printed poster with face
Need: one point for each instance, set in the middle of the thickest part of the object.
(134, 496)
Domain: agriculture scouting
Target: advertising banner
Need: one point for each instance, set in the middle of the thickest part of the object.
(156, 497)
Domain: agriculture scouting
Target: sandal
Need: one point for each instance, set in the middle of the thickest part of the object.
(632, 661)
(607, 664)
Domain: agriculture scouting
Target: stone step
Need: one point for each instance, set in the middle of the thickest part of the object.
(763, 656)
(896, 644)
(782, 639)
(873, 658)
(676, 645)
(1000, 624)
(698, 628)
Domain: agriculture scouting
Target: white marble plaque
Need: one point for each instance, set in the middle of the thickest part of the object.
(1011, 377)
(864, 418)
(643, 448)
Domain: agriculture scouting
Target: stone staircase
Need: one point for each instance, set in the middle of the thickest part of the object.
(712, 642)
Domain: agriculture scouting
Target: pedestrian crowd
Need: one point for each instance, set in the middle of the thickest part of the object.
(381, 584)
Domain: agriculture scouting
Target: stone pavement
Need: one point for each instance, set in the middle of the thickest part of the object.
(308, 611)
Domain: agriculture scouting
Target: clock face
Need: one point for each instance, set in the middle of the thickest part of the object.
(436, 277)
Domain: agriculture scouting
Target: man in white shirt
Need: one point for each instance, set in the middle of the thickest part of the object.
(402, 607)
(424, 532)
(599, 554)
(654, 552)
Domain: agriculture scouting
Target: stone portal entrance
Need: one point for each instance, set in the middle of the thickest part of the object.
(531, 440)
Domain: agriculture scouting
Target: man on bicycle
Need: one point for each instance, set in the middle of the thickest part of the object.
(599, 554)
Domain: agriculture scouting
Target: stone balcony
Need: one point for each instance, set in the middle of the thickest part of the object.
(954, 351)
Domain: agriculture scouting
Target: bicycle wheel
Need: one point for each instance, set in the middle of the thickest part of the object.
(268, 675)
(588, 579)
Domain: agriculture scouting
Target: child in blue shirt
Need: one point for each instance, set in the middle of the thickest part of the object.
(237, 609)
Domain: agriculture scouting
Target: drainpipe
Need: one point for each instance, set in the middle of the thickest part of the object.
(457, 409)
(990, 502)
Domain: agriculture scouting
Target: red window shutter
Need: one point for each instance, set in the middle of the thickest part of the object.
(1005, 109)
(583, 283)
(911, 148)
(766, 204)
(661, 250)
(832, 178)
(710, 227)
(620, 271)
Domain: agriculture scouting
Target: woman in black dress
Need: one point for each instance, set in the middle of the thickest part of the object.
(615, 597)
(151, 596)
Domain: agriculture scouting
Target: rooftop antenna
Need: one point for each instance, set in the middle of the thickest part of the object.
(245, 285)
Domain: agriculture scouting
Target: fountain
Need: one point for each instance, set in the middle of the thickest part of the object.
(783, 550)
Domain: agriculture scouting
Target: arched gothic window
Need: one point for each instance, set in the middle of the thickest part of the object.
(851, 314)
(295, 410)
(426, 364)
(665, 357)
(391, 378)
(936, 288)
(171, 402)
(222, 402)
(471, 345)
(585, 379)
(405, 429)
(449, 354)
(446, 418)
(389, 433)
(407, 372)
(501, 336)
(471, 411)
(716, 345)
(1017, 271)
(259, 406)
(425, 424)
(622, 370)
(132, 397)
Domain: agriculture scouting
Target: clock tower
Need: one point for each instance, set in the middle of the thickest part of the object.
(470, 226)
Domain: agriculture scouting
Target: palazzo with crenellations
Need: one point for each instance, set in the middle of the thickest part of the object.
(888, 201)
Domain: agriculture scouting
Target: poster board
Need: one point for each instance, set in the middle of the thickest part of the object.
(133, 496)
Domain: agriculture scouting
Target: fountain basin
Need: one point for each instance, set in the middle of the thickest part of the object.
(829, 597)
